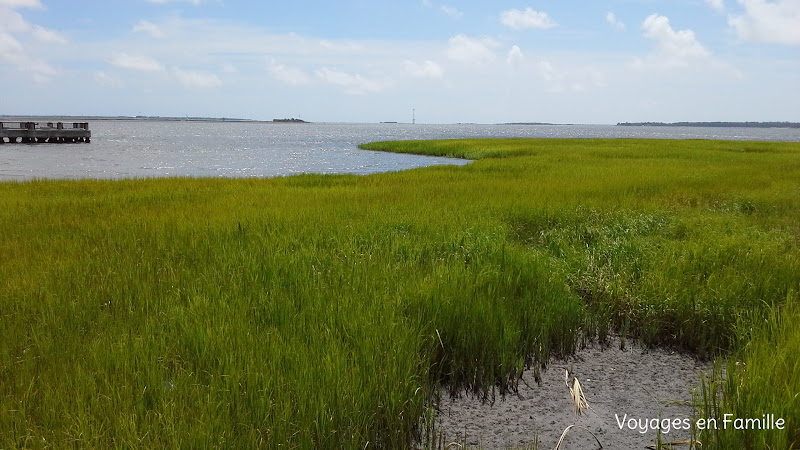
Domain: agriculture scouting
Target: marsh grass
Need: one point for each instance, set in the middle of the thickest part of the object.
(762, 377)
(322, 311)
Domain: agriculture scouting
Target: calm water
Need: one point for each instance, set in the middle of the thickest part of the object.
(129, 149)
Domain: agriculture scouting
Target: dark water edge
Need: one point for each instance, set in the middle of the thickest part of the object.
(166, 148)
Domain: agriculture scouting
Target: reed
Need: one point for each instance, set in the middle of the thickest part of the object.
(579, 402)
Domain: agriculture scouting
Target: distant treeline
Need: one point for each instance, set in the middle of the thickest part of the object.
(713, 124)
(527, 123)
(164, 118)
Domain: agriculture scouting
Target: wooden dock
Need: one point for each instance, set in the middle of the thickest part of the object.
(33, 133)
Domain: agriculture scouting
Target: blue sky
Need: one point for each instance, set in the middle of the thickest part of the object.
(369, 61)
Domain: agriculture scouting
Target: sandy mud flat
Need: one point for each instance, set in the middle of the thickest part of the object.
(632, 388)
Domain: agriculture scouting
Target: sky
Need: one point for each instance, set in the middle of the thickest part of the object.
(452, 61)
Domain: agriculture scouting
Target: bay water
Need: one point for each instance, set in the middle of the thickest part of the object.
(167, 148)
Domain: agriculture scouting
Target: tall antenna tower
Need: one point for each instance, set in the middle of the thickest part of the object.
(413, 116)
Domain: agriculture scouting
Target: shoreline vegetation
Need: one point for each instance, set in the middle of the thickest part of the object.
(143, 118)
(292, 120)
(323, 311)
(153, 118)
(713, 124)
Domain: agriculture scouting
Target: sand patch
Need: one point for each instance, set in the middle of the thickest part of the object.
(634, 386)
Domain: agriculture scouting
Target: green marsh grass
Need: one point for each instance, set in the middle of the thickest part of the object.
(322, 311)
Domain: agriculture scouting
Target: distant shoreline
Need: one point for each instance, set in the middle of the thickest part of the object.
(713, 124)
(67, 118)
(11, 118)
(76, 118)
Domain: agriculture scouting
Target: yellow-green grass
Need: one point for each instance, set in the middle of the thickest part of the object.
(322, 311)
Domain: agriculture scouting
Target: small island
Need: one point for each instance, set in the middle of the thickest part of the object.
(292, 120)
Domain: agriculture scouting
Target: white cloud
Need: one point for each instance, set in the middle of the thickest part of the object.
(288, 75)
(354, 84)
(105, 79)
(596, 77)
(12, 52)
(452, 12)
(557, 80)
(676, 49)
(20, 4)
(529, 18)
(194, 79)
(13, 22)
(464, 49)
(9, 45)
(11, 49)
(548, 72)
(612, 20)
(48, 36)
(515, 57)
(771, 22)
(428, 69)
(150, 28)
(134, 62)
(719, 5)
(568, 77)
